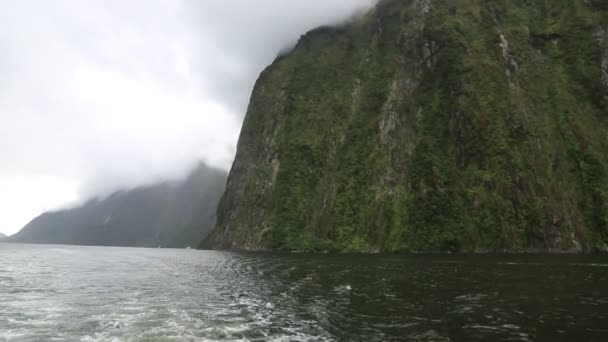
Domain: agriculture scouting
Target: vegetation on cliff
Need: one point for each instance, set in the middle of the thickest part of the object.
(430, 125)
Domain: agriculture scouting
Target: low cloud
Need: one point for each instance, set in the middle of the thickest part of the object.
(106, 94)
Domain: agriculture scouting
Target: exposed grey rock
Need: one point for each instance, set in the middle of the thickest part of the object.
(602, 37)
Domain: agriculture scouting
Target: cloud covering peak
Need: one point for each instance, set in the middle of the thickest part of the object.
(105, 94)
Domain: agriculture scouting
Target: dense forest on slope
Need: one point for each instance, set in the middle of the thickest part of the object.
(430, 125)
(170, 214)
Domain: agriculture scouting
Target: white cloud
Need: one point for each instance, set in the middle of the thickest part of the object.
(102, 94)
(31, 195)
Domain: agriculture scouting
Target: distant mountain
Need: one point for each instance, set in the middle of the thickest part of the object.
(2, 236)
(169, 214)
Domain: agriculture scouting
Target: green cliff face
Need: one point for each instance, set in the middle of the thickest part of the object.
(428, 125)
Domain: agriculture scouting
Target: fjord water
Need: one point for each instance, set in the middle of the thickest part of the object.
(66, 293)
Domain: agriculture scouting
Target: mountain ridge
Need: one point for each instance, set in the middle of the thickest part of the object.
(166, 214)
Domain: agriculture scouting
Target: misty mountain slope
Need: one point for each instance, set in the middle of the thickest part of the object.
(171, 214)
(2, 236)
(430, 125)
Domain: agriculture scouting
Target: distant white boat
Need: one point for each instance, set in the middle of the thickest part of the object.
(188, 247)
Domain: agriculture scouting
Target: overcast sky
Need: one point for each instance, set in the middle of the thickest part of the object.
(98, 95)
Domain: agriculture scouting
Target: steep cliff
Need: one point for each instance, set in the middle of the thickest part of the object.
(430, 125)
(170, 214)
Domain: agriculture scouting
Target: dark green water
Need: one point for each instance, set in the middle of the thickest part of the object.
(119, 294)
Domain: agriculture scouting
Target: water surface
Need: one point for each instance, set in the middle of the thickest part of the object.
(67, 293)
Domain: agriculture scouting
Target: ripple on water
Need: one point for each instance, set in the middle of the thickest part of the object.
(118, 294)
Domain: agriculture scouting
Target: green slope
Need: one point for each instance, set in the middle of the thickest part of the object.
(427, 125)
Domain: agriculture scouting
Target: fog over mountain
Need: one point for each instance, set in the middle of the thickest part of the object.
(173, 214)
(128, 93)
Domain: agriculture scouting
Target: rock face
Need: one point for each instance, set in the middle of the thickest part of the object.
(466, 125)
(172, 214)
(602, 37)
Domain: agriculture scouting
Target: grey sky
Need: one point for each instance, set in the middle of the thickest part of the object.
(97, 95)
